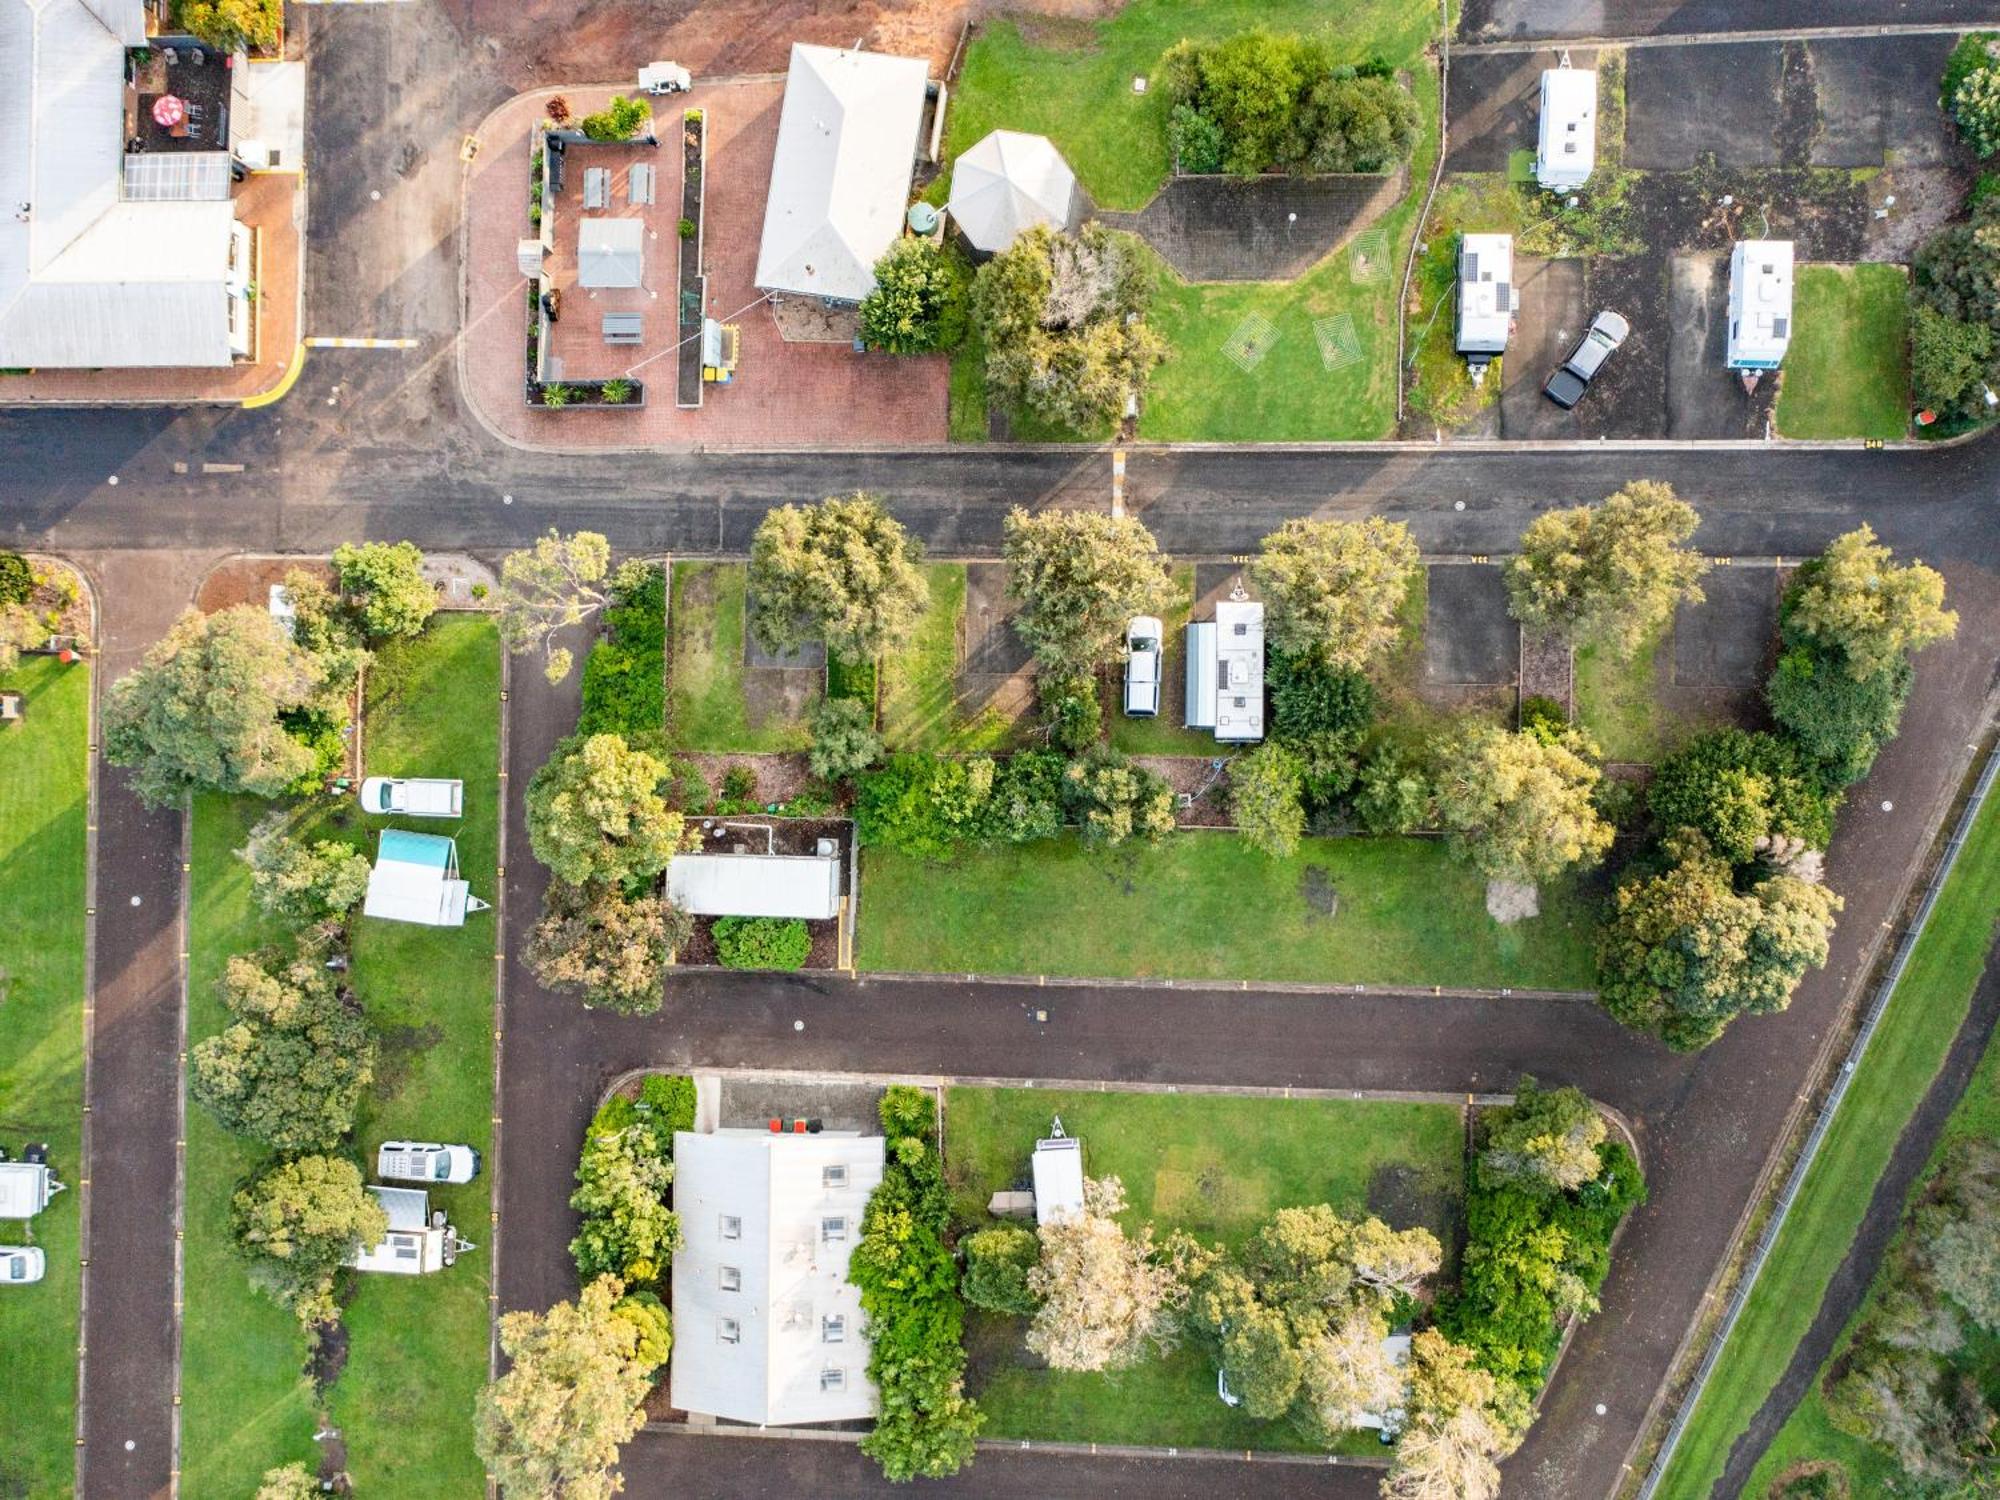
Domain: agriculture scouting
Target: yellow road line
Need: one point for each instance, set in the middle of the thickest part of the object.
(283, 387)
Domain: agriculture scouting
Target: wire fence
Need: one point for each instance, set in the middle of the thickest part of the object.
(1878, 1003)
(1424, 213)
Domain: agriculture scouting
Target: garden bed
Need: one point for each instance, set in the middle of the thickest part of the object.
(693, 287)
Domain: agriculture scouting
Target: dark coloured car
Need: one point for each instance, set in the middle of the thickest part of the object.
(1567, 385)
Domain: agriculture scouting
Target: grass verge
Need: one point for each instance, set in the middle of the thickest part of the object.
(1922, 1016)
(44, 805)
(707, 706)
(1206, 906)
(1847, 372)
(416, 1344)
(921, 709)
(1216, 1166)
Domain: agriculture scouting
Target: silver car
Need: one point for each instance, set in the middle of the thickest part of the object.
(1567, 385)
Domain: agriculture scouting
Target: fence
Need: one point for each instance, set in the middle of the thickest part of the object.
(1873, 1017)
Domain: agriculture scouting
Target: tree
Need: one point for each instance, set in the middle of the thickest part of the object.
(551, 586)
(201, 711)
(997, 1263)
(1080, 577)
(619, 120)
(1959, 1235)
(646, 1312)
(1975, 108)
(1071, 713)
(1740, 788)
(387, 584)
(1336, 588)
(921, 300)
(1546, 1140)
(626, 1228)
(1951, 361)
(611, 947)
(597, 812)
(1612, 572)
(1265, 799)
(573, 1393)
(762, 942)
(844, 741)
(1106, 1298)
(1841, 724)
(1111, 799)
(843, 570)
(299, 1222)
(1521, 808)
(1347, 1373)
(291, 1482)
(1063, 321)
(1684, 952)
(233, 25)
(300, 882)
(1394, 792)
(1853, 598)
(1460, 1421)
(292, 1067)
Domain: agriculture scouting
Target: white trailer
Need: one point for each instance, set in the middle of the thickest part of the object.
(26, 1188)
(1225, 672)
(1486, 304)
(418, 1241)
(1760, 305)
(1566, 148)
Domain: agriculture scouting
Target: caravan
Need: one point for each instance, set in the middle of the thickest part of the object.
(418, 1241)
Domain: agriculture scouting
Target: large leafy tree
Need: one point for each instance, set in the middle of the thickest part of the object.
(1547, 1139)
(291, 1068)
(572, 1395)
(611, 947)
(298, 1221)
(1335, 587)
(627, 1230)
(1951, 360)
(385, 581)
(555, 584)
(201, 711)
(597, 812)
(1080, 576)
(1520, 805)
(843, 570)
(303, 882)
(1854, 598)
(921, 300)
(1266, 792)
(1106, 1297)
(1685, 952)
(1612, 572)
(1741, 790)
(1461, 1422)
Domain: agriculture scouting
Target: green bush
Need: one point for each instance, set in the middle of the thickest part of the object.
(624, 677)
(1072, 714)
(1839, 723)
(921, 300)
(667, 1104)
(646, 1312)
(997, 1262)
(762, 942)
(844, 741)
(1310, 697)
(1544, 718)
(622, 1176)
(1970, 91)
(1394, 792)
(17, 579)
(1195, 141)
(619, 120)
(1950, 361)
(385, 584)
(233, 25)
(1735, 787)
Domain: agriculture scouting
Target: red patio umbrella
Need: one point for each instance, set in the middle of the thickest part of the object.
(169, 110)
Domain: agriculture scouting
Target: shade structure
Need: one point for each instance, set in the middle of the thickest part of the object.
(610, 252)
(1007, 183)
(169, 110)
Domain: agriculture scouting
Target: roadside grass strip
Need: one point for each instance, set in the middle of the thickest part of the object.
(1847, 372)
(1924, 1013)
(44, 805)
(1216, 1166)
(1203, 905)
(416, 1345)
(706, 706)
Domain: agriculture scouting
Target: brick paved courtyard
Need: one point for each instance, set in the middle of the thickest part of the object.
(783, 394)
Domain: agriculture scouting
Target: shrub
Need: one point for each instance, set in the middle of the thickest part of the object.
(624, 677)
(762, 942)
(1950, 361)
(1266, 799)
(622, 1176)
(1395, 792)
(17, 579)
(233, 25)
(555, 396)
(1543, 718)
(1310, 697)
(386, 583)
(685, 229)
(616, 392)
(921, 299)
(304, 883)
(298, 1221)
(1112, 799)
(844, 741)
(1973, 79)
(1195, 140)
(619, 120)
(648, 1314)
(667, 1101)
(1737, 787)
(1072, 714)
(997, 1262)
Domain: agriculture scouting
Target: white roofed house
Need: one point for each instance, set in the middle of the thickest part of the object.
(1760, 304)
(767, 1327)
(104, 263)
(1566, 146)
(848, 138)
(1486, 302)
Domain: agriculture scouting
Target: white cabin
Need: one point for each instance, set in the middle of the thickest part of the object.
(1566, 149)
(1225, 672)
(1486, 302)
(1760, 304)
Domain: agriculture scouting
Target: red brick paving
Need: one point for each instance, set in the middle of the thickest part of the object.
(783, 394)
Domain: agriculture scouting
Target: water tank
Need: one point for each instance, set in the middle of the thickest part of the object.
(923, 218)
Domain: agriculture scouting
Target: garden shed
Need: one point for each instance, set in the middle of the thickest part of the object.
(1008, 183)
(805, 886)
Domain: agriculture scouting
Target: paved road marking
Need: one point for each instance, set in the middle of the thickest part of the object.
(360, 343)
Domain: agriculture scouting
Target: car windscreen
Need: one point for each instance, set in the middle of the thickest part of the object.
(443, 1168)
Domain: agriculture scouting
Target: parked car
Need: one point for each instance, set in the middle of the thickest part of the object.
(1142, 667)
(425, 1161)
(21, 1265)
(665, 78)
(413, 796)
(1607, 331)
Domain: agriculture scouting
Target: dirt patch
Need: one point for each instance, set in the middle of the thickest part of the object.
(1196, 778)
(329, 1355)
(1511, 901)
(1818, 1479)
(780, 695)
(988, 644)
(1271, 228)
(248, 580)
(1404, 1197)
(779, 777)
(399, 1049)
(1548, 670)
(1321, 896)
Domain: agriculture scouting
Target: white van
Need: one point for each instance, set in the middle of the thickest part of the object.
(418, 1241)
(425, 1161)
(413, 796)
(26, 1188)
(1142, 667)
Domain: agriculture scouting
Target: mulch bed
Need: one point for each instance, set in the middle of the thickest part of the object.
(1191, 774)
(1548, 670)
(780, 777)
(248, 580)
(700, 947)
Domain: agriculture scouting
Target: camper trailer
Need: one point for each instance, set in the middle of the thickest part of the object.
(1225, 672)
(1566, 148)
(26, 1188)
(418, 1241)
(1760, 306)
(1485, 298)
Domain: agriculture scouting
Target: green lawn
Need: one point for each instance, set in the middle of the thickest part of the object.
(417, 1345)
(706, 705)
(920, 707)
(1922, 1017)
(1617, 700)
(1205, 905)
(1847, 372)
(1216, 1166)
(1165, 733)
(1440, 384)
(44, 805)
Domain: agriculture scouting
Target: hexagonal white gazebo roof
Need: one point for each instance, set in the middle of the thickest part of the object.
(1007, 183)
